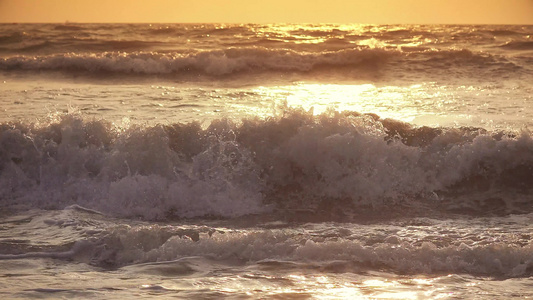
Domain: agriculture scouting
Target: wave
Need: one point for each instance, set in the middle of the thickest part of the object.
(165, 30)
(37, 46)
(12, 37)
(70, 27)
(216, 62)
(513, 31)
(340, 251)
(242, 60)
(413, 246)
(518, 45)
(80, 45)
(329, 165)
(118, 45)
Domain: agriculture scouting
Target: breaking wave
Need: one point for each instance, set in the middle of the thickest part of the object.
(329, 164)
(243, 60)
(216, 62)
(410, 246)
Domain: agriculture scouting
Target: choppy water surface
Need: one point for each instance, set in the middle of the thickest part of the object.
(265, 161)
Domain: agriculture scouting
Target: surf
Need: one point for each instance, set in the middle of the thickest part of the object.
(293, 161)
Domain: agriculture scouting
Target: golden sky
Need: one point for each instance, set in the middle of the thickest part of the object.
(270, 11)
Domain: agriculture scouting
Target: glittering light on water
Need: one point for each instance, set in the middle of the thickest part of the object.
(387, 102)
(424, 104)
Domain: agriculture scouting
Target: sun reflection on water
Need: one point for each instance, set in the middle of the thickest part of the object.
(422, 104)
(402, 103)
(359, 35)
(332, 287)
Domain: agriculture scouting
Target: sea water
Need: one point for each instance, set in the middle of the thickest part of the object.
(266, 161)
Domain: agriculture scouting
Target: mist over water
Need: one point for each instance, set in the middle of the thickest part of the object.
(257, 161)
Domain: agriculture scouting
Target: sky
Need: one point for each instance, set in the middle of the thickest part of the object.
(270, 11)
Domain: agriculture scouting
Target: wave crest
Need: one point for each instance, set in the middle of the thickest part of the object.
(216, 62)
(240, 60)
(291, 162)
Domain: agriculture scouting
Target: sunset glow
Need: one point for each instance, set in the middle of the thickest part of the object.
(274, 11)
(243, 149)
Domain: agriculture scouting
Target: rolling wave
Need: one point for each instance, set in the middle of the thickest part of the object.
(518, 45)
(328, 164)
(411, 247)
(216, 62)
(245, 60)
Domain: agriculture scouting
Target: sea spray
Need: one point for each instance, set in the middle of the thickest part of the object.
(292, 161)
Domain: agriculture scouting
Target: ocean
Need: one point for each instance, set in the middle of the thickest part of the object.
(280, 161)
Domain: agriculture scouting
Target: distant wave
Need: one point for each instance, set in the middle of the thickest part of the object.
(69, 27)
(12, 37)
(518, 45)
(216, 62)
(242, 60)
(326, 164)
(505, 32)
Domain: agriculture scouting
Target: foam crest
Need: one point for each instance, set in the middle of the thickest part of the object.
(334, 161)
(405, 246)
(361, 61)
(129, 173)
(407, 253)
(214, 62)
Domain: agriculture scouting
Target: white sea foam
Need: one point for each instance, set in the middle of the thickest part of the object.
(215, 62)
(429, 247)
(106, 202)
(229, 169)
(253, 60)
